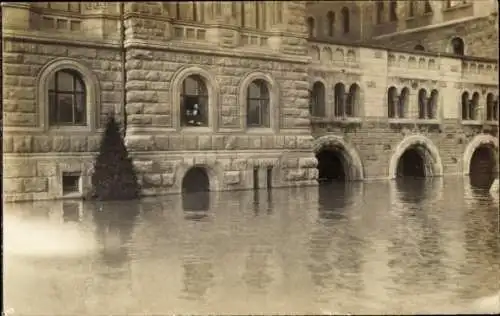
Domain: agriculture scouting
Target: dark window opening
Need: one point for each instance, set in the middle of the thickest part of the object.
(346, 23)
(71, 183)
(380, 12)
(331, 23)
(427, 7)
(258, 104)
(310, 27)
(458, 46)
(482, 168)
(393, 11)
(411, 164)
(195, 180)
(317, 100)
(269, 177)
(411, 8)
(419, 48)
(339, 105)
(194, 102)
(67, 99)
(256, 178)
(330, 166)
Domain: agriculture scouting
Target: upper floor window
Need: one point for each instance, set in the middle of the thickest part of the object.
(258, 101)
(345, 20)
(427, 106)
(397, 103)
(346, 103)
(393, 11)
(427, 6)
(491, 107)
(469, 106)
(458, 46)
(67, 99)
(455, 3)
(330, 18)
(411, 8)
(379, 12)
(194, 102)
(311, 27)
(317, 100)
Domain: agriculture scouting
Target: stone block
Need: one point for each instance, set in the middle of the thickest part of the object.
(22, 144)
(239, 164)
(296, 175)
(143, 166)
(305, 142)
(175, 142)
(19, 119)
(61, 143)
(76, 52)
(207, 160)
(290, 142)
(217, 142)
(161, 120)
(152, 180)
(230, 142)
(290, 163)
(78, 143)
(204, 142)
(242, 142)
(16, 169)
(168, 179)
(140, 142)
(279, 142)
(7, 144)
(308, 162)
(161, 142)
(93, 143)
(11, 186)
(190, 142)
(32, 185)
(142, 96)
(254, 142)
(267, 142)
(232, 177)
(46, 169)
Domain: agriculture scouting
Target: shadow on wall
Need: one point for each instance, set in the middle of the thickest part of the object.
(114, 177)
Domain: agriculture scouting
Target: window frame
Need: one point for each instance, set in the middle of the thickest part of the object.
(54, 94)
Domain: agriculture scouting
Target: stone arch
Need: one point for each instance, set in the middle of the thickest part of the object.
(473, 145)
(430, 155)
(274, 97)
(210, 171)
(93, 92)
(352, 165)
(175, 92)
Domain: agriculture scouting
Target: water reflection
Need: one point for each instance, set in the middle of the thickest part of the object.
(379, 247)
(114, 222)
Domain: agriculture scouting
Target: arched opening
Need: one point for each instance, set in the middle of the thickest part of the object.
(331, 165)
(483, 167)
(352, 101)
(411, 164)
(194, 102)
(195, 180)
(67, 104)
(339, 94)
(310, 27)
(258, 100)
(346, 24)
(317, 100)
(458, 46)
(419, 48)
(330, 17)
(422, 102)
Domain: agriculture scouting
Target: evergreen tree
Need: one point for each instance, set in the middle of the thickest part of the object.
(114, 176)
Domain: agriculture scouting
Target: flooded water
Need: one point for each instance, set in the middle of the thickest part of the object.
(383, 247)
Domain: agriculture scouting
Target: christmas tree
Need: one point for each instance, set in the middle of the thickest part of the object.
(114, 176)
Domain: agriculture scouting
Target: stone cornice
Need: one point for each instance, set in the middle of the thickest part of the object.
(179, 46)
(41, 37)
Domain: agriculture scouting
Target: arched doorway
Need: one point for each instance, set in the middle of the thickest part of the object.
(412, 163)
(483, 167)
(331, 165)
(195, 190)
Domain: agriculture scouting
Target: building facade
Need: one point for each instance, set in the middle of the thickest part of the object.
(246, 93)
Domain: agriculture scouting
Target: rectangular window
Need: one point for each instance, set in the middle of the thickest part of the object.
(70, 182)
(65, 108)
(258, 113)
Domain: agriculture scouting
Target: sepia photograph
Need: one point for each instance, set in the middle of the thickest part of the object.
(250, 157)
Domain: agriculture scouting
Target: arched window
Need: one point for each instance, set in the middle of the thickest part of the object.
(258, 104)
(317, 102)
(427, 7)
(458, 46)
(490, 104)
(346, 24)
(411, 8)
(379, 12)
(419, 48)
(352, 100)
(465, 105)
(392, 102)
(194, 102)
(310, 26)
(473, 106)
(422, 103)
(393, 11)
(339, 92)
(330, 18)
(403, 102)
(432, 104)
(67, 99)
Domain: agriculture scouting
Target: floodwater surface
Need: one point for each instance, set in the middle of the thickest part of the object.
(427, 246)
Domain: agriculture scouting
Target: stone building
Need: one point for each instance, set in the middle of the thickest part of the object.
(244, 95)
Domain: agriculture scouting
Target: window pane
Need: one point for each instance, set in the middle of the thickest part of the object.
(253, 113)
(64, 81)
(78, 85)
(264, 113)
(52, 83)
(65, 108)
(194, 86)
(254, 90)
(79, 108)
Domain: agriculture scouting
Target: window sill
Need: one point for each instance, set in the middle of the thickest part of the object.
(196, 129)
(457, 7)
(397, 120)
(488, 122)
(259, 130)
(472, 122)
(427, 122)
